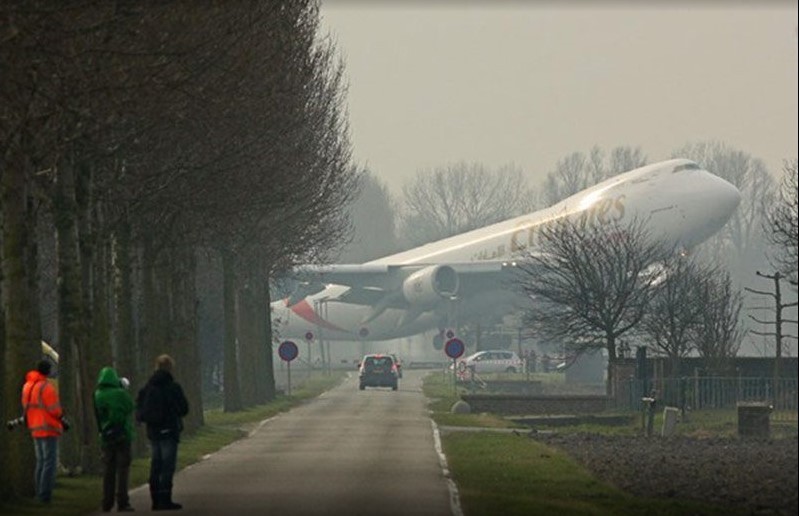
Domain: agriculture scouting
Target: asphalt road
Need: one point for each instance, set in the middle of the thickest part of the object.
(351, 452)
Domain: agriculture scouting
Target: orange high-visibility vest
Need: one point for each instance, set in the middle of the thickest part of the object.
(41, 406)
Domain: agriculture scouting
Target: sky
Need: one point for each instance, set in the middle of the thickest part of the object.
(527, 83)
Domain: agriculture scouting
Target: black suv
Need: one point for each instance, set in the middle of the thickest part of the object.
(378, 371)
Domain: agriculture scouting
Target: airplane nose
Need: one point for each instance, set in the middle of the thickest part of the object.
(708, 203)
(727, 197)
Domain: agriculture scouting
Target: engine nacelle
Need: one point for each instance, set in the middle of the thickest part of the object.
(428, 286)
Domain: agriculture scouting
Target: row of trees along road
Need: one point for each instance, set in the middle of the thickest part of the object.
(139, 142)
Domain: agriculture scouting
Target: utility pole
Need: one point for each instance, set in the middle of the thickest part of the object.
(778, 319)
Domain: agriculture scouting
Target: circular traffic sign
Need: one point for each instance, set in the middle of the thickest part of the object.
(309, 335)
(454, 348)
(288, 351)
(450, 334)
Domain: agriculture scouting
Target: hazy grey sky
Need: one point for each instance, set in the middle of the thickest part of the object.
(526, 84)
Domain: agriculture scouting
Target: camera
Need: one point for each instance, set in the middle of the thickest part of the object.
(20, 421)
(13, 423)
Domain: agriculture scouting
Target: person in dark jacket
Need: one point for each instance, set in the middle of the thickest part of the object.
(113, 407)
(161, 404)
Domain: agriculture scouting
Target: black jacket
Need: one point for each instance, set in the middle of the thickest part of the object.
(161, 404)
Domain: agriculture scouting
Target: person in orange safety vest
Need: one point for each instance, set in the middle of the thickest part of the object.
(43, 416)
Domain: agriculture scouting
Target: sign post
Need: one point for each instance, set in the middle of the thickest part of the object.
(288, 351)
(454, 348)
(308, 340)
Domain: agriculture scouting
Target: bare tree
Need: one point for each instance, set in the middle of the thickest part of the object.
(782, 227)
(623, 159)
(589, 286)
(373, 214)
(779, 317)
(577, 171)
(456, 198)
(741, 245)
(676, 308)
(21, 331)
(718, 334)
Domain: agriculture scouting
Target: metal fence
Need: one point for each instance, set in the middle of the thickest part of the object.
(703, 393)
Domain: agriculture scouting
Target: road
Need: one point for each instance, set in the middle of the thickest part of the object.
(351, 452)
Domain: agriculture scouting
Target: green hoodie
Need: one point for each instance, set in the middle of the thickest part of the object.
(113, 404)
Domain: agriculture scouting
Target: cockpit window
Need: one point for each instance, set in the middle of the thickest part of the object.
(686, 166)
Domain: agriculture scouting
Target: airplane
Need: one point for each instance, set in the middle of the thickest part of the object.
(415, 291)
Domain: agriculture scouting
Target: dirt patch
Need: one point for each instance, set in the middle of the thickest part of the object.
(757, 474)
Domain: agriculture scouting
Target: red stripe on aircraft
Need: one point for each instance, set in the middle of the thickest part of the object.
(304, 310)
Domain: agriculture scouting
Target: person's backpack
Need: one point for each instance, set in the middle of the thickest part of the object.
(110, 433)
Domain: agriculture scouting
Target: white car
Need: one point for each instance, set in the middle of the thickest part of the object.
(493, 361)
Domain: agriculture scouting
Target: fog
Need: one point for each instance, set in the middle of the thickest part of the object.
(526, 84)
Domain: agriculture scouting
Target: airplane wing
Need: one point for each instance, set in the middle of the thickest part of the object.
(352, 275)
(476, 277)
(373, 284)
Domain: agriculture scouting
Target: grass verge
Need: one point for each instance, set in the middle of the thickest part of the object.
(442, 395)
(501, 473)
(511, 475)
(81, 495)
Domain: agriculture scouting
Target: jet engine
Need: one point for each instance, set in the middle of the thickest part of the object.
(427, 286)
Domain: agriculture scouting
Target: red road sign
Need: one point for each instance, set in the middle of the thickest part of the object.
(454, 348)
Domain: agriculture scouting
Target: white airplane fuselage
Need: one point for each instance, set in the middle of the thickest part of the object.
(680, 204)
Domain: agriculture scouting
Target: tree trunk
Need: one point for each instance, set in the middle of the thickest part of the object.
(69, 310)
(185, 333)
(19, 351)
(611, 348)
(259, 339)
(142, 265)
(154, 307)
(266, 353)
(125, 337)
(248, 346)
(94, 351)
(6, 394)
(232, 394)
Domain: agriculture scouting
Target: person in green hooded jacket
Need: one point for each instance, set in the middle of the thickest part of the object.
(113, 407)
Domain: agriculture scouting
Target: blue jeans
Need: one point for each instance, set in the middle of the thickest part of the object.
(164, 458)
(46, 449)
